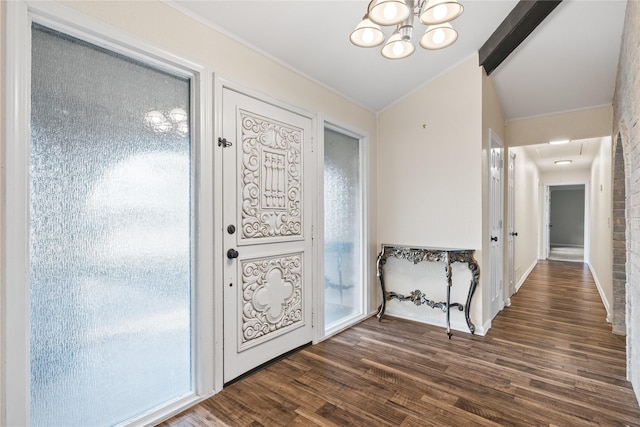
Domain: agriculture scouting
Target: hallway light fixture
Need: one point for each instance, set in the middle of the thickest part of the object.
(560, 141)
(562, 162)
(436, 14)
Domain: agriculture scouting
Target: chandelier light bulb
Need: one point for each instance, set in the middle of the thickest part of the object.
(438, 37)
(367, 34)
(397, 47)
(388, 12)
(440, 11)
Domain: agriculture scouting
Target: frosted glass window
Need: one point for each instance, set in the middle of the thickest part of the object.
(110, 235)
(342, 228)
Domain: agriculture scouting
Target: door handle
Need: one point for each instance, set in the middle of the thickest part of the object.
(494, 238)
(232, 253)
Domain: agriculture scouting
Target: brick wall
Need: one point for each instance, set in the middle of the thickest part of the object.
(619, 240)
(626, 132)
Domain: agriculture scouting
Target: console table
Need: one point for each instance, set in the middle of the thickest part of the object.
(424, 254)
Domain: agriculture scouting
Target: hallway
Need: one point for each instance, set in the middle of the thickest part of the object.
(549, 359)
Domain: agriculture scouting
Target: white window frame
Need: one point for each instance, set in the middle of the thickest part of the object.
(206, 339)
(321, 333)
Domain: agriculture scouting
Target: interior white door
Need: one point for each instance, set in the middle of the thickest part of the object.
(511, 233)
(267, 215)
(495, 224)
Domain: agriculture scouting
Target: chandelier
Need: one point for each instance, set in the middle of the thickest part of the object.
(436, 14)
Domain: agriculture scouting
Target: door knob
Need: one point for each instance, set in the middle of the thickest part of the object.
(514, 234)
(232, 253)
(494, 238)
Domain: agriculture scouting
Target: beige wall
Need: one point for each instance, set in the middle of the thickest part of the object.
(600, 248)
(429, 164)
(430, 169)
(625, 117)
(492, 114)
(562, 177)
(191, 39)
(589, 123)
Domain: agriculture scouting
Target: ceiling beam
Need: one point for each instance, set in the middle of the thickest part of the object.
(521, 21)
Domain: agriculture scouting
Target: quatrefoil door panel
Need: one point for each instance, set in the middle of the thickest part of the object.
(267, 180)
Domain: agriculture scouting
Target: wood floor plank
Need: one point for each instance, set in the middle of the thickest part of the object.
(549, 359)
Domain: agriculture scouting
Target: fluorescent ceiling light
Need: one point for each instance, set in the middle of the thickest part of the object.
(563, 162)
(559, 141)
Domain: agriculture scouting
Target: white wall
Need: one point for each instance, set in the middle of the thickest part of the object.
(430, 177)
(600, 205)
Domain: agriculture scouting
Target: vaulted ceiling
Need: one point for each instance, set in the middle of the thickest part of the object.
(568, 63)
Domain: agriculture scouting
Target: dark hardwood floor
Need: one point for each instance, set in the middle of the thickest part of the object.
(549, 359)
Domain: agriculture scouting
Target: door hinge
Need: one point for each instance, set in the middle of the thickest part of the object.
(313, 144)
(222, 142)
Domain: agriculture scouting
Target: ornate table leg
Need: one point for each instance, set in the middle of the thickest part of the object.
(448, 271)
(380, 264)
(475, 275)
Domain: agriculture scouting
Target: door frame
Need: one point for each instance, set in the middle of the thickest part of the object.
(510, 229)
(546, 209)
(496, 142)
(15, 307)
(321, 333)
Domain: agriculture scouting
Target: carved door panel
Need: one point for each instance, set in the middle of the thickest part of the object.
(267, 221)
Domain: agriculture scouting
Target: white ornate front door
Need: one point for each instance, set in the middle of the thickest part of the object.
(267, 229)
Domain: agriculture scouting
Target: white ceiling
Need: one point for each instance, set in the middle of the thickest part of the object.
(569, 62)
(580, 152)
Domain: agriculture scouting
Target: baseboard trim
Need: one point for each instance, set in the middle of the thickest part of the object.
(526, 274)
(603, 297)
